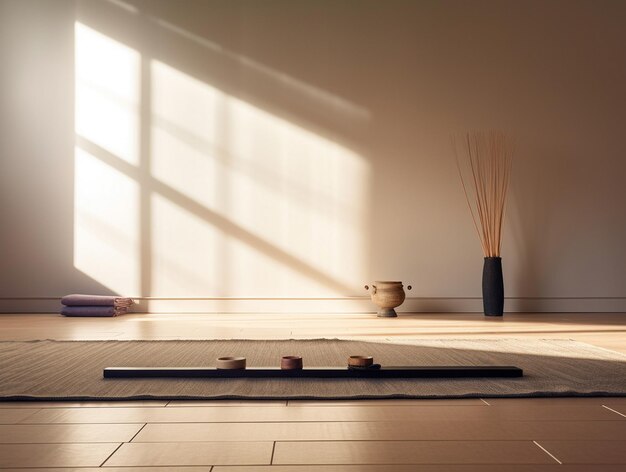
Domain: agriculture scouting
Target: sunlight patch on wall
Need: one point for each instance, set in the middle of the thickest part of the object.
(107, 75)
(186, 120)
(106, 224)
(291, 204)
(187, 252)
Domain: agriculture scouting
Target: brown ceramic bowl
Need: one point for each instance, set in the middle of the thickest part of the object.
(360, 361)
(231, 363)
(291, 362)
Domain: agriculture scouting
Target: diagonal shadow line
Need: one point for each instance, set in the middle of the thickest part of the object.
(263, 175)
(267, 89)
(213, 218)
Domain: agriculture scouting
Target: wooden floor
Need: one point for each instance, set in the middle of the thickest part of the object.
(518, 435)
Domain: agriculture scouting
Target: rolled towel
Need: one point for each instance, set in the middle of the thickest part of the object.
(96, 300)
(98, 310)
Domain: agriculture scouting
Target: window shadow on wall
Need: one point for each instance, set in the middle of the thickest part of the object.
(200, 172)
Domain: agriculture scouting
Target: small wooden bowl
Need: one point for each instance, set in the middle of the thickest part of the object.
(360, 361)
(291, 362)
(231, 363)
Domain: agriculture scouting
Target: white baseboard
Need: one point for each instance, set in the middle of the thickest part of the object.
(335, 305)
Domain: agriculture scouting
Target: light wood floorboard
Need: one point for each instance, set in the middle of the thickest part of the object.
(221, 403)
(384, 431)
(588, 452)
(342, 468)
(422, 468)
(614, 402)
(606, 330)
(55, 455)
(386, 402)
(185, 453)
(11, 416)
(116, 469)
(68, 433)
(89, 404)
(410, 452)
(245, 414)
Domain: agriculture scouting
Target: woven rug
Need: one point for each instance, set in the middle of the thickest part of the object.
(63, 370)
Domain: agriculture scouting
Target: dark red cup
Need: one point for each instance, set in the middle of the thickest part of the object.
(291, 362)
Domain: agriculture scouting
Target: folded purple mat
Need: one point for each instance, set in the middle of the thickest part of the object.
(92, 311)
(95, 300)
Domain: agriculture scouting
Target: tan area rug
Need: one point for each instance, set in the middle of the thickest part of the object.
(73, 369)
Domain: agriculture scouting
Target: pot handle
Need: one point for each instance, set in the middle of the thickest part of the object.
(367, 287)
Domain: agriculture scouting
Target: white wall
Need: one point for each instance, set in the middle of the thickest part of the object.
(285, 149)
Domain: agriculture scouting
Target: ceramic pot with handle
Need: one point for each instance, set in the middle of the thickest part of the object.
(387, 295)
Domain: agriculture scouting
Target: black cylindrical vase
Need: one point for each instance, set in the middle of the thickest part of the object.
(493, 287)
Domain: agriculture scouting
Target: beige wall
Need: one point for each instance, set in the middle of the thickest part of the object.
(298, 149)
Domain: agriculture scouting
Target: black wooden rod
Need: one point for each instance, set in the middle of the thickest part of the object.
(318, 372)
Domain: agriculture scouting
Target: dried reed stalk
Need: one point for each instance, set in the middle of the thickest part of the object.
(485, 169)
